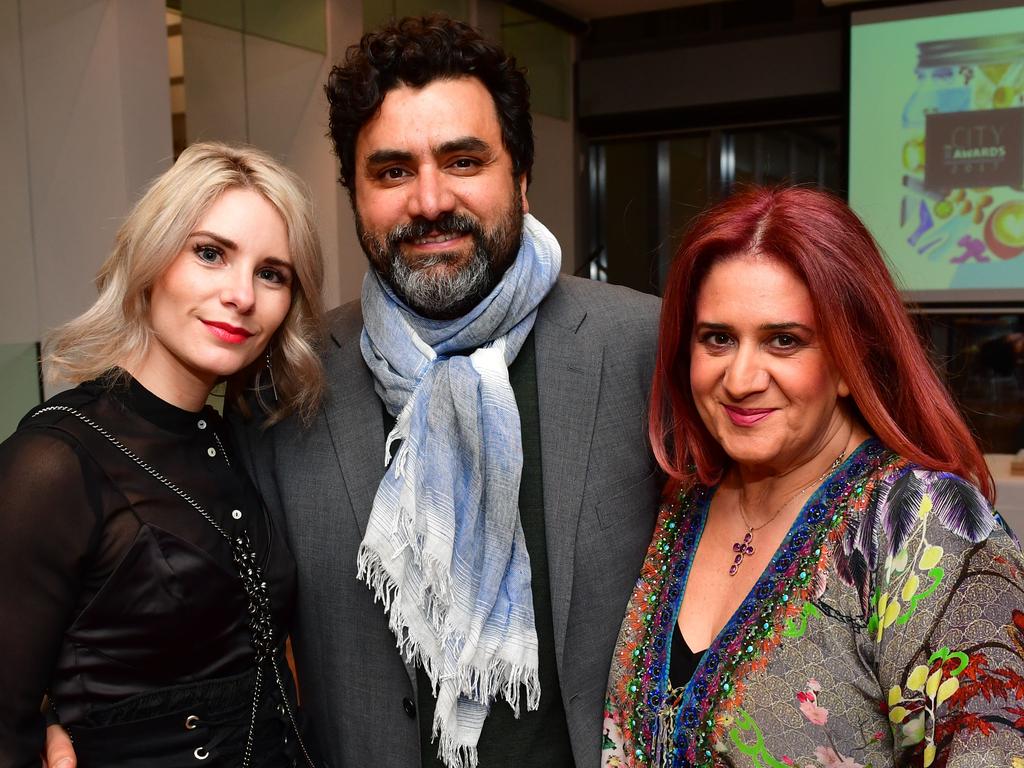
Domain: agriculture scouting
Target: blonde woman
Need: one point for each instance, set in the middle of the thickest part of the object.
(145, 590)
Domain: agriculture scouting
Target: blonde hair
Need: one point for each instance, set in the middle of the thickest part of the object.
(116, 330)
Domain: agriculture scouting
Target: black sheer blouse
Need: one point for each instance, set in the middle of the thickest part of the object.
(110, 584)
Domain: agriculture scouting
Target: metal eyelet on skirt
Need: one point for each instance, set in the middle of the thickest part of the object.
(191, 722)
(201, 753)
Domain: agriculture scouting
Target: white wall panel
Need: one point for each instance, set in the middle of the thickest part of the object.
(214, 82)
(281, 83)
(18, 305)
(144, 92)
(97, 115)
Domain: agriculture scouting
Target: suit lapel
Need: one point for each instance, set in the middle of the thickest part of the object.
(355, 421)
(568, 380)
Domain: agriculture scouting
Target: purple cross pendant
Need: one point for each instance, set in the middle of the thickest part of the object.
(742, 549)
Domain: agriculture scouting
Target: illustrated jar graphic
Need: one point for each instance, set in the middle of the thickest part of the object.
(970, 73)
(963, 147)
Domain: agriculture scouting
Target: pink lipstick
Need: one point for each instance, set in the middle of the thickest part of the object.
(746, 417)
(227, 332)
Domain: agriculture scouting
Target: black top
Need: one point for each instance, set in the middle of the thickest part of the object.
(539, 737)
(113, 586)
(682, 662)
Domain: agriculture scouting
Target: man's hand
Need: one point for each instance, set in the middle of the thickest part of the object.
(59, 752)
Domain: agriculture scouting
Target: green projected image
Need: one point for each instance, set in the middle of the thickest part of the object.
(937, 145)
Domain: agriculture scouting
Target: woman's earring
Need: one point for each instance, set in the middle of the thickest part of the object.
(270, 370)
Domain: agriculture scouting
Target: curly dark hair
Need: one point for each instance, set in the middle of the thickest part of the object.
(416, 51)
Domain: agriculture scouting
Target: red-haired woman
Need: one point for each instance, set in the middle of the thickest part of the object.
(828, 584)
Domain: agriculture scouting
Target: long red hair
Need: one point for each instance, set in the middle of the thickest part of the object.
(865, 328)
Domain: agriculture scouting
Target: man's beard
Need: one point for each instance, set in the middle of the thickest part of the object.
(444, 294)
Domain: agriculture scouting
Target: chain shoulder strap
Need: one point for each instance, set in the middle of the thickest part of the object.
(141, 463)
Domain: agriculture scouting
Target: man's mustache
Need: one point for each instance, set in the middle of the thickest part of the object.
(450, 224)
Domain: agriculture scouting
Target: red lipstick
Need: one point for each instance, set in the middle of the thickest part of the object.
(227, 332)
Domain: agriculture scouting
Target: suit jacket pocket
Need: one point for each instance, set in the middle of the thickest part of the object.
(638, 500)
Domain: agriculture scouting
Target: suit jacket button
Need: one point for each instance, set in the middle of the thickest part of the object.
(409, 707)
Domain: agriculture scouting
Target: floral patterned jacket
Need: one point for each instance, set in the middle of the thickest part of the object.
(888, 630)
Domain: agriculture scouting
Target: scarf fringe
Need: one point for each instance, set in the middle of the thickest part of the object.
(501, 676)
(371, 570)
(473, 683)
(437, 582)
(453, 754)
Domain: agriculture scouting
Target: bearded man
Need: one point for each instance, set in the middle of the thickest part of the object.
(470, 512)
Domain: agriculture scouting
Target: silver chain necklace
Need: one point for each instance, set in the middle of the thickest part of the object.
(261, 625)
(745, 547)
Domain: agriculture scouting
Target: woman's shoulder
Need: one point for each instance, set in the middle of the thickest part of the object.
(908, 503)
(45, 467)
(82, 398)
(952, 501)
(53, 430)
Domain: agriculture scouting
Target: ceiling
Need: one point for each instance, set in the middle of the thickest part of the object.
(599, 9)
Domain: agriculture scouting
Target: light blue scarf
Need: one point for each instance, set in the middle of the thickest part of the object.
(444, 549)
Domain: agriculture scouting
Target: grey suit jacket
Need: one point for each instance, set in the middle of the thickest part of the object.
(595, 349)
